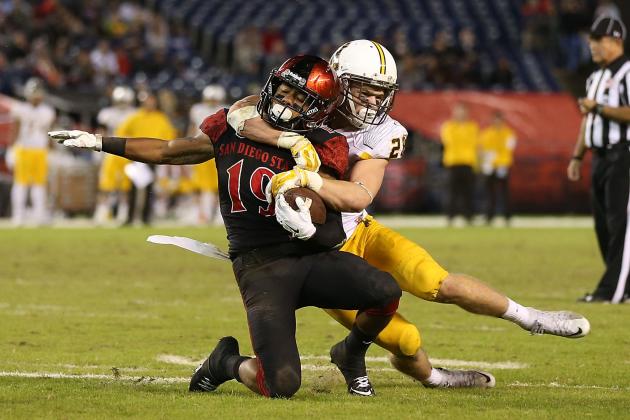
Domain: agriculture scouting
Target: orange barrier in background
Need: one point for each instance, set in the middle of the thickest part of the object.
(547, 126)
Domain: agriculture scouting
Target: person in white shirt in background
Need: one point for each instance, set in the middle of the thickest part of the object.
(205, 174)
(113, 183)
(33, 120)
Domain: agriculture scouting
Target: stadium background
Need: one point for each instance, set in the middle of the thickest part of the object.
(527, 58)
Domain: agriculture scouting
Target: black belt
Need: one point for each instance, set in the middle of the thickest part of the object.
(269, 253)
(601, 151)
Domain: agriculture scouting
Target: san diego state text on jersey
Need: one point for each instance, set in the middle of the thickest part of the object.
(245, 167)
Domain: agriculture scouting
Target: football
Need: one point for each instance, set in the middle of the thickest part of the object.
(318, 208)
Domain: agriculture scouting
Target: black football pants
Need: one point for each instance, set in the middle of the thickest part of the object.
(273, 290)
(610, 195)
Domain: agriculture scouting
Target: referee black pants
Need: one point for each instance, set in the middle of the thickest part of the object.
(611, 205)
(461, 192)
(273, 289)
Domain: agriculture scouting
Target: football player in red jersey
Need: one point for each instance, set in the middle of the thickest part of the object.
(277, 272)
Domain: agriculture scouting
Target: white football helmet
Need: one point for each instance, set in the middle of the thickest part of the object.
(213, 93)
(359, 64)
(122, 95)
(34, 88)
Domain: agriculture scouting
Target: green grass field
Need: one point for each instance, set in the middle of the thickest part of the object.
(120, 323)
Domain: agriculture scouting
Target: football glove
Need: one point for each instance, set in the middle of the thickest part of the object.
(297, 222)
(302, 150)
(78, 138)
(294, 178)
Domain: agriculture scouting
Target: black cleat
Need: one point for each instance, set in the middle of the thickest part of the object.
(353, 370)
(211, 373)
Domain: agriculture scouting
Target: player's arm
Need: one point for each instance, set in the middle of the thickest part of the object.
(244, 119)
(181, 151)
(575, 164)
(357, 193)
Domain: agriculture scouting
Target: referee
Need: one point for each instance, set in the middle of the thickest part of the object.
(606, 131)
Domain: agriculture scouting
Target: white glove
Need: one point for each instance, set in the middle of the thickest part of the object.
(298, 222)
(236, 119)
(78, 138)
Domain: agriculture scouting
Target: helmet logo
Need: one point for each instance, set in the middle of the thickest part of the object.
(292, 77)
(312, 111)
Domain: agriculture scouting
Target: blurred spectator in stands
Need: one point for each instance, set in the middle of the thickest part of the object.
(42, 63)
(6, 78)
(81, 73)
(156, 33)
(574, 23)
(467, 71)
(411, 74)
(460, 138)
(34, 119)
(247, 50)
(18, 47)
(441, 61)
(538, 22)
(497, 149)
(607, 8)
(270, 37)
(148, 121)
(399, 44)
(104, 62)
(501, 77)
(276, 56)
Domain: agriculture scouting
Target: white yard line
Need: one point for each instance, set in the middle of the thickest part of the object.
(453, 363)
(565, 386)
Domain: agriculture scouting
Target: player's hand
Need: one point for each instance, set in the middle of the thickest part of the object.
(297, 222)
(294, 178)
(78, 138)
(302, 150)
(586, 105)
(573, 170)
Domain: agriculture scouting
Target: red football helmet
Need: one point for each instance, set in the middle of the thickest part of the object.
(302, 85)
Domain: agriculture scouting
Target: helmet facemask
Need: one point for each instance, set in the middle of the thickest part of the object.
(308, 110)
(355, 92)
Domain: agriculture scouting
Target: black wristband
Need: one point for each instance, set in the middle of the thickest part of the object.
(599, 108)
(579, 158)
(114, 145)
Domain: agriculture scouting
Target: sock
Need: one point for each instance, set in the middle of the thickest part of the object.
(18, 203)
(518, 314)
(232, 364)
(436, 378)
(357, 342)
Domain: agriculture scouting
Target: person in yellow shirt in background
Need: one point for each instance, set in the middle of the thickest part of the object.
(497, 150)
(150, 122)
(460, 138)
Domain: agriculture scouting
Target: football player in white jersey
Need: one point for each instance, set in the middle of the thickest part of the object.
(113, 183)
(34, 119)
(204, 175)
(368, 74)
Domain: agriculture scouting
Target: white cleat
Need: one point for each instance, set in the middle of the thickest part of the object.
(560, 323)
(464, 379)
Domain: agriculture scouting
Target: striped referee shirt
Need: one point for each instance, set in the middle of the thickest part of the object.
(609, 86)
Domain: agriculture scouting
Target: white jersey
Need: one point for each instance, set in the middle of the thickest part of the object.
(113, 116)
(35, 123)
(383, 141)
(202, 110)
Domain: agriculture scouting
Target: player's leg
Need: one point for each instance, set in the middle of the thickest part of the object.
(19, 189)
(403, 340)
(343, 280)
(270, 292)
(39, 179)
(419, 274)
